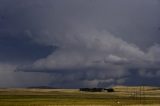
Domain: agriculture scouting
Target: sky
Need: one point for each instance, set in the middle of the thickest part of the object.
(79, 43)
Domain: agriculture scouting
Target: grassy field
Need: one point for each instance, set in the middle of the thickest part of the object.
(123, 96)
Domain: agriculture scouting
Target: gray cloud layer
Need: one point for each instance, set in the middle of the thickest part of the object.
(98, 55)
(98, 42)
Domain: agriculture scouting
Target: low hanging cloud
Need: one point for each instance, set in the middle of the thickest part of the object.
(7, 74)
(93, 58)
(90, 49)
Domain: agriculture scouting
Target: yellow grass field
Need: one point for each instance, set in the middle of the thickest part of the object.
(123, 96)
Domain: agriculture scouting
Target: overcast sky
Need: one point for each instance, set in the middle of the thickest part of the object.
(79, 43)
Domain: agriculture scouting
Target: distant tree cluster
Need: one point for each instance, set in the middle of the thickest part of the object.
(97, 89)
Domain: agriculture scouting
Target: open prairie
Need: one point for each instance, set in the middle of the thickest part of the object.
(123, 96)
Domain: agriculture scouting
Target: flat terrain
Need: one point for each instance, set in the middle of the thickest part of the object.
(123, 96)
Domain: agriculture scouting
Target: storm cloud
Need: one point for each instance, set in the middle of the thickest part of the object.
(81, 43)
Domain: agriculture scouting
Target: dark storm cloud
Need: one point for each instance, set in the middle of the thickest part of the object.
(18, 49)
(98, 42)
(16, 22)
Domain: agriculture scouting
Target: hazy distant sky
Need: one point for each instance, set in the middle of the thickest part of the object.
(79, 43)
